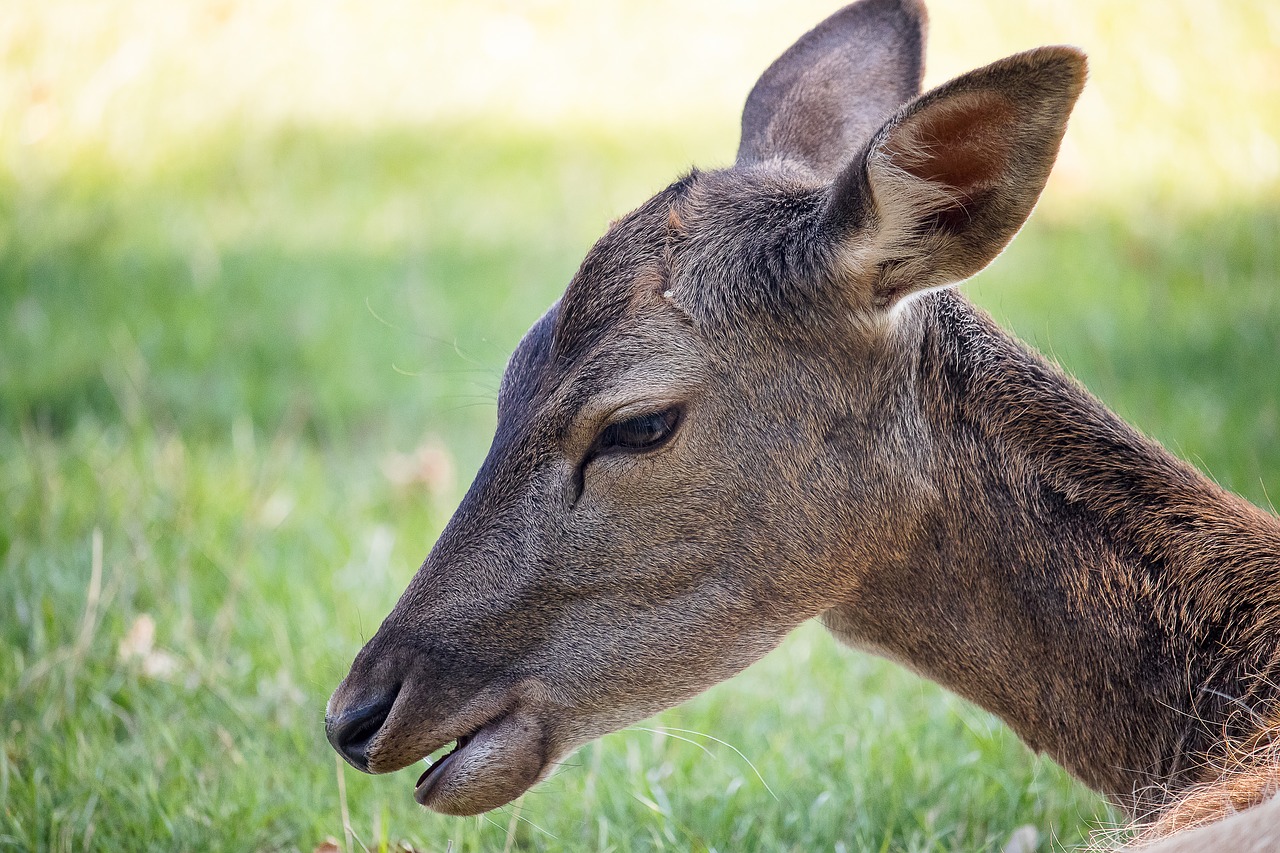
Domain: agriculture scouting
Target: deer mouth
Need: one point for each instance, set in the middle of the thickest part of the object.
(487, 768)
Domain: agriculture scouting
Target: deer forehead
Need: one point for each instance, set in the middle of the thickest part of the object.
(684, 281)
(626, 268)
(641, 354)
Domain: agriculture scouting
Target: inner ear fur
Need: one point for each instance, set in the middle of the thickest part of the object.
(944, 185)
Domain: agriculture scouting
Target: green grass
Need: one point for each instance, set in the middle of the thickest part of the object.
(218, 328)
(205, 369)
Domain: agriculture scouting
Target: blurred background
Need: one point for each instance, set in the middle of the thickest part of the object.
(261, 265)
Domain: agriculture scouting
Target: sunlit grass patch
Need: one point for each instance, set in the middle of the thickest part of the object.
(1183, 95)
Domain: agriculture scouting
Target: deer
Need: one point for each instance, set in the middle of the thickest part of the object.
(762, 400)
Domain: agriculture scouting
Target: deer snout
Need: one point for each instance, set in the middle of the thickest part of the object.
(362, 711)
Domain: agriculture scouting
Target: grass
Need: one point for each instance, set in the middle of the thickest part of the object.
(217, 339)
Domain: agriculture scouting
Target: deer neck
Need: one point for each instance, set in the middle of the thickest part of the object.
(1116, 608)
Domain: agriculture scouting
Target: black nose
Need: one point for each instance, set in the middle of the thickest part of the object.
(351, 731)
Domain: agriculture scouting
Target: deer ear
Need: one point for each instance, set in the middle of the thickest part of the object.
(946, 183)
(821, 101)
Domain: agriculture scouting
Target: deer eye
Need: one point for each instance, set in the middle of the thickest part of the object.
(638, 434)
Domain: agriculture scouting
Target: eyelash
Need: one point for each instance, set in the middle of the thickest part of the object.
(632, 436)
(639, 434)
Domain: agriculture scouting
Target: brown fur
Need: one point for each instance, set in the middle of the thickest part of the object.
(850, 440)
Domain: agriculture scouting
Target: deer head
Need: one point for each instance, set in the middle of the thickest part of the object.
(712, 436)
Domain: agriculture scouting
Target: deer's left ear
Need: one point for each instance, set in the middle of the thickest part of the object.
(821, 101)
(948, 180)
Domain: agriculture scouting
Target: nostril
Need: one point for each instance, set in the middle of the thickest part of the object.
(359, 732)
(350, 732)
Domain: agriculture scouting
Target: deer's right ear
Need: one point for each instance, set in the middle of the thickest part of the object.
(821, 101)
(946, 183)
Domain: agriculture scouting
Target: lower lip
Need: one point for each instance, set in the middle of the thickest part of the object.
(437, 767)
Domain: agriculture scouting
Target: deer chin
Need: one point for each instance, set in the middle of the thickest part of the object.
(488, 768)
